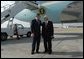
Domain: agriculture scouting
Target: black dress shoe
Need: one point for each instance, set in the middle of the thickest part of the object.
(49, 52)
(32, 52)
(37, 51)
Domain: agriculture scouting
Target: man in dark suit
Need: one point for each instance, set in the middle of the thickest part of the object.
(35, 29)
(47, 34)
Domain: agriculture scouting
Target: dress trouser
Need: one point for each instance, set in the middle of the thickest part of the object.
(47, 44)
(36, 40)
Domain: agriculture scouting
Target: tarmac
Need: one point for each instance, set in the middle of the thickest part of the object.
(64, 45)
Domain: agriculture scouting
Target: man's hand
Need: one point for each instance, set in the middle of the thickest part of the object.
(32, 34)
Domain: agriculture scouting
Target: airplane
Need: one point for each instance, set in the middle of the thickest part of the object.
(59, 12)
(53, 9)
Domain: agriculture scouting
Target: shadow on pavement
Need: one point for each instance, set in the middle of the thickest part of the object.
(73, 54)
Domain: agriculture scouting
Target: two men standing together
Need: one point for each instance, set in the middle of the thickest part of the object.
(47, 34)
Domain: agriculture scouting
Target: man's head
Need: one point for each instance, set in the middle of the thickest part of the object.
(38, 16)
(45, 18)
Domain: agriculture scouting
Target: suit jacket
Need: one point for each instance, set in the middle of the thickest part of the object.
(35, 27)
(47, 31)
